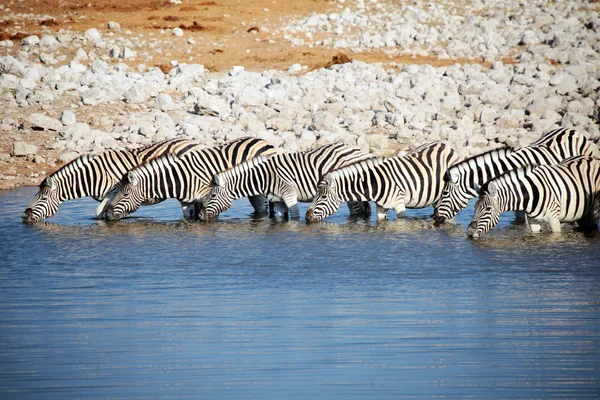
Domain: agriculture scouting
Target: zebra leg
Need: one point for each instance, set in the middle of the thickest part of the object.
(520, 216)
(294, 211)
(359, 208)
(381, 212)
(400, 210)
(272, 210)
(259, 203)
(189, 210)
(280, 208)
(533, 227)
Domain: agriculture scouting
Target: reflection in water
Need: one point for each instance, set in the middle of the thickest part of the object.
(154, 306)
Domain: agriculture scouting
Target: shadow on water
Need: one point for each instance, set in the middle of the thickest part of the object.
(157, 307)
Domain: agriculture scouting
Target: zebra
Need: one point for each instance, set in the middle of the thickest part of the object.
(564, 192)
(185, 178)
(552, 147)
(94, 175)
(410, 181)
(284, 179)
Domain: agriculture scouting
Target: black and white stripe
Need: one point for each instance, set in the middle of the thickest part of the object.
(564, 192)
(553, 147)
(94, 175)
(185, 178)
(412, 181)
(284, 179)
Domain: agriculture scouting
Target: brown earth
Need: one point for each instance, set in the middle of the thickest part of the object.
(226, 32)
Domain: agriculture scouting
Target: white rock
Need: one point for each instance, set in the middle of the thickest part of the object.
(41, 121)
(115, 26)
(212, 106)
(127, 53)
(68, 156)
(235, 70)
(30, 40)
(92, 35)
(23, 149)
(324, 121)
(80, 55)
(136, 94)
(99, 67)
(115, 52)
(10, 65)
(164, 102)
(178, 32)
(294, 69)
(68, 117)
(48, 41)
(250, 96)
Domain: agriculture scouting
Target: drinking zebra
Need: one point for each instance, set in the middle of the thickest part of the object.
(412, 181)
(94, 175)
(553, 147)
(284, 179)
(564, 192)
(185, 178)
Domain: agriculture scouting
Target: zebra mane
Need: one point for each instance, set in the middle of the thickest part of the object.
(501, 179)
(242, 167)
(503, 149)
(354, 169)
(69, 167)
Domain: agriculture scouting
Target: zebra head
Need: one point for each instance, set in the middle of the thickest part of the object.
(45, 204)
(218, 199)
(326, 201)
(487, 211)
(454, 197)
(125, 198)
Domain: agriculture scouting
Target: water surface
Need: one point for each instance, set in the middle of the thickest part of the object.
(156, 307)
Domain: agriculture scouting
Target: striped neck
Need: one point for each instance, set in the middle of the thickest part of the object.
(91, 175)
(249, 178)
(481, 168)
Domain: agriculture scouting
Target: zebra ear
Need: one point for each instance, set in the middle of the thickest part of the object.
(50, 183)
(454, 178)
(132, 178)
(492, 189)
(330, 181)
(218, 181)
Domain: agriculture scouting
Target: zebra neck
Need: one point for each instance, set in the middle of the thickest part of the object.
(512, 198)
(482, 168)
(251, 182)
(79, 180)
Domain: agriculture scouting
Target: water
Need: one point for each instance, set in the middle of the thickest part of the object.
(154, 307)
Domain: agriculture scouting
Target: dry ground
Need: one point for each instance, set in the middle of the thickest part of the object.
(226, 33)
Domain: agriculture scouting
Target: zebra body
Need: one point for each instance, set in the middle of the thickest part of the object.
(564, 192)
(411, 181)
(185, 178)
(284, 179)
(553, 147)
(94, 175)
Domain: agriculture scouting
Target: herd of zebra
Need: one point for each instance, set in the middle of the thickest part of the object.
(556, 178)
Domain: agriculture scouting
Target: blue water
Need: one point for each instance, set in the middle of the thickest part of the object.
(155, 307)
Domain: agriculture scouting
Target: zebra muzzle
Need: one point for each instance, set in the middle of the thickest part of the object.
(109, 214)
(27, 216)
(472, 230)
(310, 215)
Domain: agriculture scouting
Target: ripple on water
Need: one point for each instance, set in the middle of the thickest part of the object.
(156, 307)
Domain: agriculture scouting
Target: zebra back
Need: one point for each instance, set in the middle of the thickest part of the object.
(421, 172)
(555, 146)
(178, 147)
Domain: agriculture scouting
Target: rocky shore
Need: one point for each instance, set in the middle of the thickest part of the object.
(533, 67)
